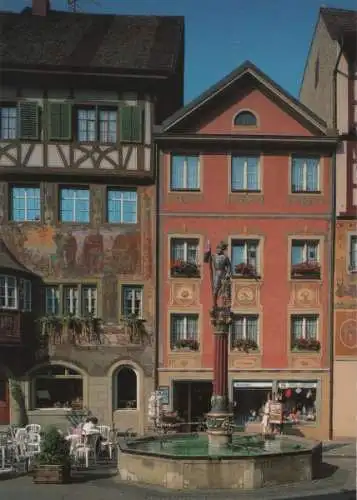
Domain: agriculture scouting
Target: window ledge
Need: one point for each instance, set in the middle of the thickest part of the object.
(185, 191)
(121, 410)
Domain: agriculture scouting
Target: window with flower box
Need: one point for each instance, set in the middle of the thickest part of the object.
(304, 332)
(184, 258)
(245, 258)
(245, 332)
(305, 259)
(184, 332)
(70, 300)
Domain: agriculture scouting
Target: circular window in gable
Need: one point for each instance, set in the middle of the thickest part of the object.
(245, 119)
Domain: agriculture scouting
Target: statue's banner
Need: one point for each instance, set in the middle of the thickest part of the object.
(276, 413)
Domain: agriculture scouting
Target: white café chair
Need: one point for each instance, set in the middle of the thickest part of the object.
(36, 428)
(87, 450)
(106, 443)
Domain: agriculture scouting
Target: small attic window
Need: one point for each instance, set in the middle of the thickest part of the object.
(245, 119)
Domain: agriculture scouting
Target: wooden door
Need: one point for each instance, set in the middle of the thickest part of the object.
(4, 402)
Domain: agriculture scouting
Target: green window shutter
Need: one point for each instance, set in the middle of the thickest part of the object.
(60, 121)
(125, 123)
(137, 124)
(29, 120)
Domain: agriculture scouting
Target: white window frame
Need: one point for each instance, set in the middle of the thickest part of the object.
(89, 293)
(245, 320)
(26, 199)
(185, 318)
(186, 242)
(305, 190)
(304, 317)
(3, 136)
(133, 289)
(184, 186)
(119, 198)
(6, 287)
(75, 199)
(73, 294)
(54, 293)
(305, 243)
(245, 174)
(246, 242)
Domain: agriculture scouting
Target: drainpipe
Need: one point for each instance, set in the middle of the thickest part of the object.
(333, 250)
(157, 270)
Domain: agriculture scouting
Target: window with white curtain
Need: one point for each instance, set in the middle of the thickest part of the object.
(245, 327)
(132, 301)
(183, 327)
(8, 292)
(353, 253)
(70, 300)
(245, 252)
(184, 250)
(245, 175)
(89, 300)
(304, 327)
(304, 251)
(185, 173)
(305, 173)
(52, 300)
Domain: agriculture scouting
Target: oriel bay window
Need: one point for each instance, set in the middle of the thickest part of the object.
(184, 332)
(245, 258)
(245, 174)
(15, 293)
(305, 261)
(184, 257)
(304, 332)
(245, 332)
(25, 203)
(305, 173)
(71, 300)
(74, 204)
(122, 206)
(185, 173)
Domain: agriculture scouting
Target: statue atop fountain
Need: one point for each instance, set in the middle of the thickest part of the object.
(219, 419)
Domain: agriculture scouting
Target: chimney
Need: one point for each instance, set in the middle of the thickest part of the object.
(40, 7)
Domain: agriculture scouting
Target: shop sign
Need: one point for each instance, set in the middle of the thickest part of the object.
(247, 385)
(276, 413)
(297, 385)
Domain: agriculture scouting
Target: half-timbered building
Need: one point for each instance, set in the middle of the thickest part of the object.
(79, 96)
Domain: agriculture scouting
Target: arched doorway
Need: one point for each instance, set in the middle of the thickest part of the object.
(4, 399)
(125, 389)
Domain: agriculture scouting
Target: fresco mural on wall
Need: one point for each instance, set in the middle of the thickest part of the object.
(346, 334)
(345, 282)
(57, 253)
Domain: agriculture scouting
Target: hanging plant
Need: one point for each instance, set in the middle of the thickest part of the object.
(189, 344)
(306, 345)
(306, 269)
(245, 269)
(185, 269)
(244, 345)
(136, 328)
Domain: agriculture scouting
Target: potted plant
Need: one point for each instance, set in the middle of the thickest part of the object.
(308, 268)
(53, 464)
(245, 269)
(185, 269)
(187, 344)
(244, 345)
(306, 345)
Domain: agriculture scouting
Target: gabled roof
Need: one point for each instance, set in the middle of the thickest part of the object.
(75, 41)
(247, 68)
(9, 263)
(339, 22)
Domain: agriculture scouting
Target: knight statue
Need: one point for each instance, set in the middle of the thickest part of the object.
(221, 272)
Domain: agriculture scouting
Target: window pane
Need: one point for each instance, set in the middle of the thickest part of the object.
(353, 252)
(107, 126)
(312, 166)
(86, 125)
(74, 205)
(26, 204)
(297, 175)
(238, 253)
(193, 181)
(297, 327)
(132, 301)
(8, 123)
(122, 206)
(252, 173)
(177, 172)
(89, 301)
(237, 175)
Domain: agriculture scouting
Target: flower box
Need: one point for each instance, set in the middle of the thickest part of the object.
(52, 474)
(306, 345)
(244, 345)
(245, 270)
(186, 345)
(306, 269)
(185, 269)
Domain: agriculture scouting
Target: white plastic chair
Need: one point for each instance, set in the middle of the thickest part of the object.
(87, 450)
(33, 428)
(105, 432)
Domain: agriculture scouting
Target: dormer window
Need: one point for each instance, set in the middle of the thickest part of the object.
(245, 119)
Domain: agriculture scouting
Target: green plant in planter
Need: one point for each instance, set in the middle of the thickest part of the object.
(54, 449)
(136, 327)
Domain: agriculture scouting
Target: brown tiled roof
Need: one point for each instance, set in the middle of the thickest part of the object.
(77, 41)
(9, 263)
(339, 22)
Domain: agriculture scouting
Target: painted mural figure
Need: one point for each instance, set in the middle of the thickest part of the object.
(221, 272)
(93, 249)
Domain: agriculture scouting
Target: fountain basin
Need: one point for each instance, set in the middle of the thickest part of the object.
(186, 462)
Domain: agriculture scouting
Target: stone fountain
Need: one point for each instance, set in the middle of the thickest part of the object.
(219, 458)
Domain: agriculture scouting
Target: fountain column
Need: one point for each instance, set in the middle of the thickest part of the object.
(219, 419)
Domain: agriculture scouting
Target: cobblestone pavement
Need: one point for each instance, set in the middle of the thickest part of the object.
(338, 483)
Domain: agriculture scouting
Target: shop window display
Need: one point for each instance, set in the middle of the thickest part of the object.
(299, 401)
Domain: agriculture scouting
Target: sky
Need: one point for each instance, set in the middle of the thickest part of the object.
(221, 34)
